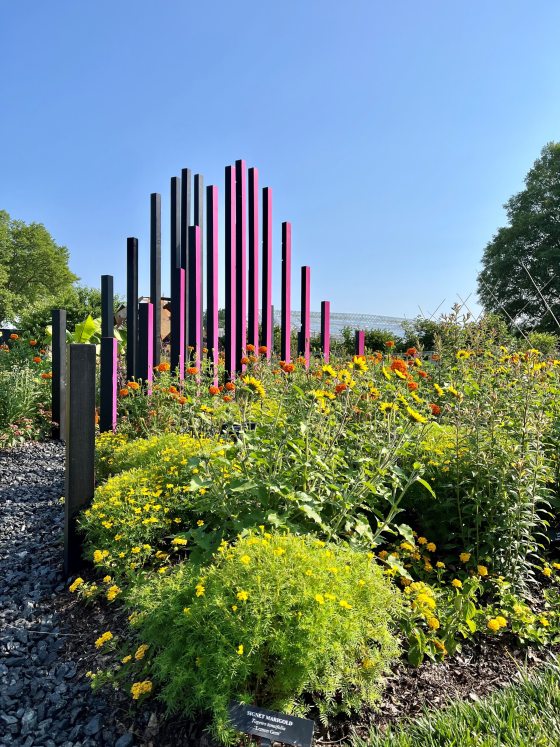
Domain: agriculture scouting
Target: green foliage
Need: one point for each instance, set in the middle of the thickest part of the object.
(276, 620)
(33, 268)
(375, 339)
(546, 342)
(531, 240)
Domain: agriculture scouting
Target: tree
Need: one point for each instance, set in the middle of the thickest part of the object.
(520, 277)
(33, 268)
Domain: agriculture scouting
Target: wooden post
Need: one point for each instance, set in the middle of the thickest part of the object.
(326, 330)
(58, 383)
(230, 269)
(212, 277)
(146, 343)
(359, 343)
(108, 385)
(240, 266)
(80, 449)
(155, 272)
(305, 330)
(107, 311)
(194, 294)
(131, 306)
(286, 332)
(253, 307)
(267, 322)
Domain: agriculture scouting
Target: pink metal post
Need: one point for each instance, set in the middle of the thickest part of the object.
(305, 331)
(326, 330)
(267, 322)
(360, 343)
(241, 260)
(286, 332)
(194, 295)
(230, 267)
(253, 314)
(212, 277)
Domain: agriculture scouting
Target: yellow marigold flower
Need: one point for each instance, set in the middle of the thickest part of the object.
(422, 540)
(502, 621)
(457, 584)
(245, 559)
(330, 597)
(78, 582)
(135, 550)
(344, 604)
(140, 651)
(200, 523)
(320, 599)
(240, 650)
(556, 565)
(186, 610)
(407, 546)
(438, 389)
(464, 557)
(99, 555)
(279, 551)
(433, 623)
(199, 589)
(179, 541)
(107, 579)
(141, 688)
(126, 659)
(113, 592)
(493, 625)
(103, 639)
(430, 547)
(482, 570)
(544, 622)
(546, 571)
(383, 554)
(368, 663)
(243, 596)
(439, 564)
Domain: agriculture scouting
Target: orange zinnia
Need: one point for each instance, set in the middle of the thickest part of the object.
(227, 398)
(14, 337)
(263, 349)
(423, 374)
(244, 360)
(123, 393)
(163, 367)
(340, 388)
(36, 359)
(411, 352)
(389, 344)
(436, 409)
(412, 385)
(192, 370)
(32, 343)
(230, 386)
(172, 390)
(288, 368)
(214, 390)
(181, 400)
(399, 365)
(251, 348)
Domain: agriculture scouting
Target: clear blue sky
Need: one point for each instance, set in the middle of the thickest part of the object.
(391, 132)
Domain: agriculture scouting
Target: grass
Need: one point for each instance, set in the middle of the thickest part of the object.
(523, 715)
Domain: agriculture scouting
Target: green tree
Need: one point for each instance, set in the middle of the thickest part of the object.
(33, 268)
(523, 259)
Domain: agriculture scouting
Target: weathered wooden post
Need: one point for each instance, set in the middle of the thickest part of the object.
(253, 235)
(58, 382)
(80, 448)
(326, 330)
(194, 294)
(212, 278)
(286, 323)
(240, 266)
(108, 363)
(305, 330)
(267, 321)
(360, 342)
(146, 343)
(131, 306)
(230, 270)
(177, 295)
(155, 271)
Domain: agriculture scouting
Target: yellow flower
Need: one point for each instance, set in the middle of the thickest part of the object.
(78, 582)
(544, 622)
(126, 659)
(457, 584)
(200, 523)
(433, 623)
(179, 541)
(464, 557)
(430, 547)
(502, 621)
(493, 625)
(199, 589)
(103, 639)
(320, 599)
(141, 688)
(344, 604)
(439, 564)
(113, 592)
(107, 579)
(279, 551)
(482, 570)
(243, 596)
(240, 650)
(140, 651)
(99, 555)
(186, 610)
(546, 571)
(254, 385)
(416, 416)
(245, 559)
(234, 607)
(422, 540)
(407, 546)
(135, 550)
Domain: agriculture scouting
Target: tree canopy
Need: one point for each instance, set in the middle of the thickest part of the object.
(520, 275)
(33, 268)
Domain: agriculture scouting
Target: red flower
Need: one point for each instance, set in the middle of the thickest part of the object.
(263, 349)
(32, 343)
(288, 368)
(436, 409)
(36, 359)
(411, 352)
(340, 388)
(423, 374)
(389, 344)
(412, 385)
(227, 398)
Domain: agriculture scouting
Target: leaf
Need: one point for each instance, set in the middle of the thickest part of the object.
(405, 531)
(85, 330)
(426, 485)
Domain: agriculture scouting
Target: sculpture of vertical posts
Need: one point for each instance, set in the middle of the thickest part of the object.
(267, 322)
(155, 272)
(212, 277)
(326, 330)
(286, 322)
(146, 344)
(80, 449)
(305, 330)
(194, 294)
(131, 306)
(58, 382)
(241, 267)
(108, 363)
(198, 220)
(185, 223)
(253, 307)
(177, 301)
(230, 268)
(360, 342)
(178, 330)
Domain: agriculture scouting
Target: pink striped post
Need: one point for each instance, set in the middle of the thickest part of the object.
(230, 268)
(241, 263)
(146, 343)
(195, 295)
(212, 278)
(267, 322)
(108, 385)
(360, 342)
(326, 330)
(305, 331)
(253, 313)
(286, 331)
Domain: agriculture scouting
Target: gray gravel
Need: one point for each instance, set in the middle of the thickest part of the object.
(44, 701)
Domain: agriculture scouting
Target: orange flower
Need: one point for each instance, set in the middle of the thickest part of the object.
(436, 357)
(36, 359)
(214, 390)
(423, 374)
(288, 368)
(123, 393)
(133, 385)
(411, 352)
(399, 365)
(192, 370)
(204, 350)
(181, 400)
(152, 413)
(163, 367)
(173, 390)
(263, 349)
(251, 348)
(301, 359)
(230, 386)
(340, 388)
(14, 336)
(436, 409)
(412, 385)
(389, 344)
(191, 347)
(46, 375)
(96, 418)
(227, 398)
(42, 351)
(252, 359)
(32, 343)
(244, 360)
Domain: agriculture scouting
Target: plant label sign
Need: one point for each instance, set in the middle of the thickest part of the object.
(272, 726)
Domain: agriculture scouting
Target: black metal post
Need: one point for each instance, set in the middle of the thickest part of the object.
(155, 271)
(108, 385)
(176, 305)
(198, 220)
(185, 223)
(131, 306)
(80, 449)
(107, 311)
(58, 382)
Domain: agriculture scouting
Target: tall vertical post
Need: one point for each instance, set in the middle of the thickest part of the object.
(267, 320)
(108, 385)
(177, 301)
(253, 235)
(360, 342)
(58, 383)
(212, 277)
(198, 220)
(305, 330)
(185, 223)
(155, 271)
(107, 311)
(230, 269)
(241, 259)
(131, 306)
(326, 330)
(194, 295)
(146, 343)
(178, 329)
(286, 323)
(80, 448)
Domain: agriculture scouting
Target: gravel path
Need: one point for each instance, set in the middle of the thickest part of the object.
(44, 700)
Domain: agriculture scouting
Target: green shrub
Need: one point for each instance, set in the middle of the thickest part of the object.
(280, 621)
(24, 405)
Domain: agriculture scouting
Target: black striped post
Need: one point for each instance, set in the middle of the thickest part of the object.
(80, 449)
(131, 306)
(360, 342)
(108, 363)
(58, 382)
(326, 330)
(253, 281)
(240, 262)
(212, 278)
(177, 304)
(230, 278)
(155, 272)
(186, 194)
(267, 336)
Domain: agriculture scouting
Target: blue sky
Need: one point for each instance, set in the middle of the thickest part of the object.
(391, 132)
